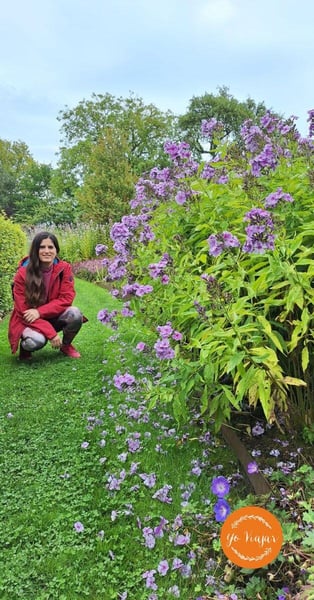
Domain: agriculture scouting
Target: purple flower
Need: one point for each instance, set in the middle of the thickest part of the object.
(148, 480)
(121, 381)
(119, 232)
(266, 159)
(219, 242)
(174, 591)
(283, 596)
(186, 571)
(163, 567)
(252, 468)
(84, 445)
(149, 537)
(162, 494)
(100, 249)
(274, 452)
(107, 318)
(9, 415)
(141, 346)
(220, 486)
(177, 336)
(259, 231)
(78, 526)
(310, 120)
(210, 127)
(177, 564)
(126, 312)
(163, 349)
(122, 457)
(273, 199)
(133, 445)
(165, 330)
(208, 171)
(257, 430)
(150, 579)
(221, 510)
(182, 540)
(134, 467)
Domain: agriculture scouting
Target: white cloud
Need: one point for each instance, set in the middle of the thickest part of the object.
(215, 12)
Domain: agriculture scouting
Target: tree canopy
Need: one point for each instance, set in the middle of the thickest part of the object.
(224, 108)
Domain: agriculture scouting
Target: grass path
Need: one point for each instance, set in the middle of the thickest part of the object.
(40, 443)
(49, 482)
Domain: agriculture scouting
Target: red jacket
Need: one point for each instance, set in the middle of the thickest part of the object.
(61, 294)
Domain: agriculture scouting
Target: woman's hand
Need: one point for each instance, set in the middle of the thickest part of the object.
(30, 315)
(56, 342)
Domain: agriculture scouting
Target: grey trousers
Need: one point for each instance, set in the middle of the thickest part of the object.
(70, 322)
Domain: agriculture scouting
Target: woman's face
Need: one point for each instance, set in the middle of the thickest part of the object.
(47, 252)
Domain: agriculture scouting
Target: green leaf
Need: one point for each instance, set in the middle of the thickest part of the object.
(230, 396)
(204, 400)
(308, 539)
(295, 296)
(273, 336)
(305, 359)
(294, 381)
(235, 360)
(264, 392)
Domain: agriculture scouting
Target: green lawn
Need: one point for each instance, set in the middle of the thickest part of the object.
(39, 444)
(49, 482)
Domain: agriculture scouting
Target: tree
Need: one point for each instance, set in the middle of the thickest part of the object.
(15, 159)
(108, 185)
(223, 107)
(143, 128)
(8, 194)
(33, 193)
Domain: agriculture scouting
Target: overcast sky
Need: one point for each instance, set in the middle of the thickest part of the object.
(54, 53)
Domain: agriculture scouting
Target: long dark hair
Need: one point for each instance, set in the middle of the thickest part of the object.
(34, 285)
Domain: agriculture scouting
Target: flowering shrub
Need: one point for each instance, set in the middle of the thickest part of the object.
(224, 252)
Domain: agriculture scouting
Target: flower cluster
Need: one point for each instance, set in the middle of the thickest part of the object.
(162, 347)
(123, 381)
(159, 269)
(220, 487)
(219, 242)
(108, 318)
(262, 141)
(267, 158)
(136, 289)
(213, 173)
(100, 249)
(211, 127)
(272, 199)
(259, 232)
(310, 120)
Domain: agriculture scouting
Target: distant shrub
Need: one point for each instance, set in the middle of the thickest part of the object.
(12, 244)
(77, 242)
(90, 270)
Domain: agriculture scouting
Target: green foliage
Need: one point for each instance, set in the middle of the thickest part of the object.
(15, 159)
(135, 144)
(78, 242)
(223, 107)
(248, 326)
(12, 243)
(108, 184)
(26, 191)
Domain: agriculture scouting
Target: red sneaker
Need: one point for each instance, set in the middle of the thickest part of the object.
(24, 354)
(70, 351)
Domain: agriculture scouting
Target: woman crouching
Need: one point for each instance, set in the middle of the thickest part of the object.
(43, 292)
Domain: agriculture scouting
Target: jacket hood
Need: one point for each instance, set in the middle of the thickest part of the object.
(24, 262)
